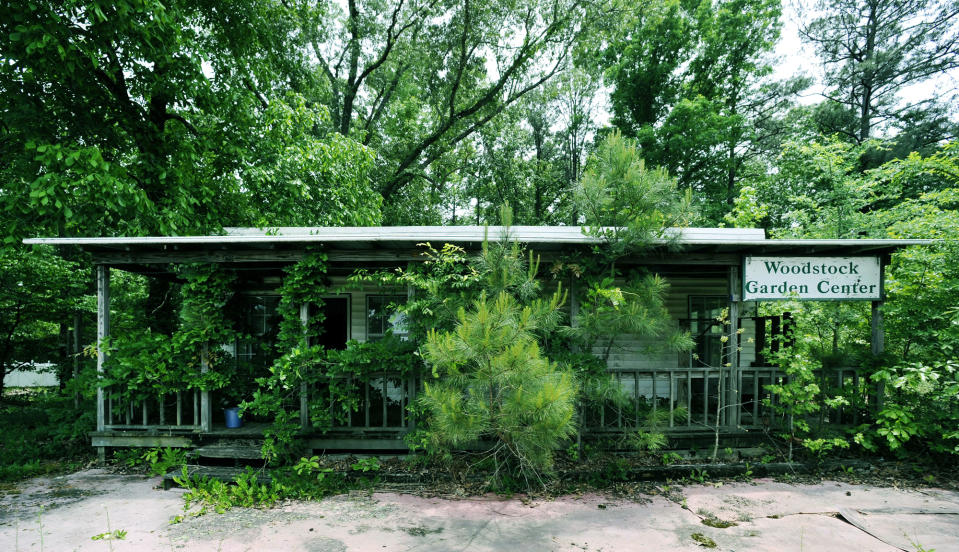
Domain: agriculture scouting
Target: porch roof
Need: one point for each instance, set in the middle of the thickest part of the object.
(285, 243)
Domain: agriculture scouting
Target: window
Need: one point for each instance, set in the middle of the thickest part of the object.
(381, 316)
(258, 322)
(706, 329)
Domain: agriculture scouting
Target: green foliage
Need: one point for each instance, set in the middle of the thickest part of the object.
(625, 203)
(38, 291)
(43, 433)
(691, 82)
(492, 381)
(335, 376)
(245, 492)
(920, 405)
(371, 464)
(278, 393)
(443, 283)
(872, 52)
(308, 479)
(163, 460)
(817, 191)
(116, 534)
(144, 364)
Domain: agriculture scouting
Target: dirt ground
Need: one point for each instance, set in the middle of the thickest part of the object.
(65, 513)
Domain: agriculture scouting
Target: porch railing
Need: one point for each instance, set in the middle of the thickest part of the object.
(384, 401)
(173, 411)
(705, 392)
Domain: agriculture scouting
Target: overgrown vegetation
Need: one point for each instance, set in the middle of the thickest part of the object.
(194, 121)
(43, 433)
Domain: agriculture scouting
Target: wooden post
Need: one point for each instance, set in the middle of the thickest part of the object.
(304, 395)
(206, 406)
(103, 334)
(878, 342)
(76, 356)
(733, 393)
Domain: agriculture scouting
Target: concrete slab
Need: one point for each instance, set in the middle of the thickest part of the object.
(770, 516)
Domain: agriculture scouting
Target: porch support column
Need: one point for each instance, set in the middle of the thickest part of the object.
(733, 394)
(304, 394)
(206, 405)
(878, 342)
(103, 333)
(76, 356)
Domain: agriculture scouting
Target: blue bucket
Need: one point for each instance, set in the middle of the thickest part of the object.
(232, 417)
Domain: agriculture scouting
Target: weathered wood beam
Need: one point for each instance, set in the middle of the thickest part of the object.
(360, 256)
(103, 334)
(733, 394)
(206, 405)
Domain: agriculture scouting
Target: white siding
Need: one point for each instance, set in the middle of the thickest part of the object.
(632, 353)
(358, 294)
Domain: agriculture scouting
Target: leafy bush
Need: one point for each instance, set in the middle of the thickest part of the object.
(43, 433)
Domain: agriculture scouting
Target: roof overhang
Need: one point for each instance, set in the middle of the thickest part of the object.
(399, 243)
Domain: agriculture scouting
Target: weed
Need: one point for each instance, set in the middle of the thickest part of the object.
(699, 476)
(371, 464)
(421, 531)
(703, 540)
(713, 521)
(116, 534)
(162, 461)
(670, 457)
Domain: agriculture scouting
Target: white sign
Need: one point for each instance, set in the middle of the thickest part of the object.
(812, 278)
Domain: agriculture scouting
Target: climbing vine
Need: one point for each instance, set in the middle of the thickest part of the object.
(147, 364)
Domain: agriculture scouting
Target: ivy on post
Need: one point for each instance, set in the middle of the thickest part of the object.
(304, 392)
(203, 322)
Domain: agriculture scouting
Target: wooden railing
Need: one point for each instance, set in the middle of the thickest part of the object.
(738, 397)
(743, 402)
(174, 411)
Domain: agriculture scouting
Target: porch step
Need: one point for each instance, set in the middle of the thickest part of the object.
(233, 449)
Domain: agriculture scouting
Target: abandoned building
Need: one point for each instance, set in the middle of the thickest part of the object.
(712, 270)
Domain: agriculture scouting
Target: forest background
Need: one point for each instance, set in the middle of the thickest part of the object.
(136, 117)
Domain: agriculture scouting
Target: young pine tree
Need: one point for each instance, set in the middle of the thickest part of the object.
(493, 383)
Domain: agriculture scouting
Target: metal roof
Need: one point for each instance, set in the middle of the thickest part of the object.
(283, 243)
(414, 234)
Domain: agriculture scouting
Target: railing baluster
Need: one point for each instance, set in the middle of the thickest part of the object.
(672, 396)
(755, 397)
(706, 397)
(689, 398)
(654, 391)
(162, 405)
(143, 406)
(179, 408)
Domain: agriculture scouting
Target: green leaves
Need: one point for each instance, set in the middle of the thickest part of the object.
(493, 382)
(624, 202)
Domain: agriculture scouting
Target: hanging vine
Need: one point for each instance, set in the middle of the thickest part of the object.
(147, 364)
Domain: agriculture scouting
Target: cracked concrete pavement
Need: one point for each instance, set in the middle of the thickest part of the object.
(64, 513)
